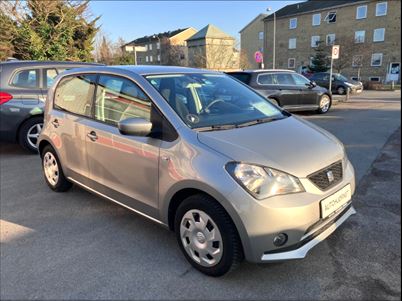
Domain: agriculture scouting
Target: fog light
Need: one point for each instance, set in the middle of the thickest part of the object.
(280, 239)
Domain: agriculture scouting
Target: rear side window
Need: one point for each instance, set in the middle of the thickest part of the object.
(243, 77)
(118, 98)
(26, 79)
(266, 79)
(74, 94)
(49, 76)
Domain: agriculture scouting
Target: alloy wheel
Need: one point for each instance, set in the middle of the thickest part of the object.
(201, 238)
(51, 168)
(33, 134)
(324, 103)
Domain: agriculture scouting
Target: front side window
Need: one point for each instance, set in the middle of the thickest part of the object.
(360, 36)
(49, 76)
(361, 12)
(118, 98)
(284, 79)
(379, 35)
(291, 63)
(74, 94)
(293, 23)
(381, 9)
(376, 59)
(315, 40)
(300, 80)
(316, 19)
(330, 39)
(211, 101)
(292, 43)
(26, 79)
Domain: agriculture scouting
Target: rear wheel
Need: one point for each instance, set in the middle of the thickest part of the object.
(29, 133)
(325, 104)
(53, 172)
(207, 236)
(341, 90)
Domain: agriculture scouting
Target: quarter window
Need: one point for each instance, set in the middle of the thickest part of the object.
(360, 36)
(381, 9)
(293, 23)
(361, 12)
(74, 94)
(379, 35)
(315, 40)
(26, 79)
(119, 98)
(376, 59)
(292, 43)
(316, 19)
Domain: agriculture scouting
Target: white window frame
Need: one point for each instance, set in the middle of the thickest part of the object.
(316, 41)
(329, 35)
(319, 20)
(158, 45)
(378, 5)
(365, 12)
(151, 58)
(364, 36)
(372, 56)
(295, 23)
(327, 17)
(295, 43)
(159, 57)
(294, 63)
(383, 35)
(146, 47)
(150, 46)
(146, 59)
(371, 79)
(261, 35)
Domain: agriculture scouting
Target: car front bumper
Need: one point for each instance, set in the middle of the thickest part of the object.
(296, 215)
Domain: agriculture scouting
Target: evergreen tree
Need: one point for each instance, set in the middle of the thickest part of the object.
(320, 61)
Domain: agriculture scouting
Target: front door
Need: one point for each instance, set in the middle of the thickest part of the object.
(122, 167)
(308, 97)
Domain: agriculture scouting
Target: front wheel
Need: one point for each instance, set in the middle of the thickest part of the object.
(341, 90)
(325, 104)
(207, 236)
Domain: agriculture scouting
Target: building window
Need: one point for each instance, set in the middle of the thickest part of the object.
(330, 39)
(361, 12)
(316, 19)
(159, 57)
(293, 23)
(381, 9)
(291, 63)
(150, 46)
(315, 40)
(375, 78)
(376, 59)
(292, 43)
(357, 61)
(146, 59)
(359, 36)
(158, 45)
(146, 47)
(331, 17)
(261, 35)
(354, 78)
(151, 58)
(379, 35)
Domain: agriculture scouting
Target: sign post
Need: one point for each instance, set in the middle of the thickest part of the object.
(334, 56)
(259, 58)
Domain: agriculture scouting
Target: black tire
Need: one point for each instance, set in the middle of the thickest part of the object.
(62, 184)
(23, 139)
(232, 254)
(341, 90)
(324, 109)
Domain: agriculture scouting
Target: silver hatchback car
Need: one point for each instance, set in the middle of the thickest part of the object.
(233, 175)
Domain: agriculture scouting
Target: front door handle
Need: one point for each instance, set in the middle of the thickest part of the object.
(92, 135)
(55, 123)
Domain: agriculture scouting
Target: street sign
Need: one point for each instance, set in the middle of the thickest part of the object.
(335, 52)
(258, 57)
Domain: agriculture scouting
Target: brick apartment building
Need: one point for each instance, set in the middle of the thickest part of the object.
(368, 32)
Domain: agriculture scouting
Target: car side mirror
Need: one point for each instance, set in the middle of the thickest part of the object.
(134, 126)
(313, 84)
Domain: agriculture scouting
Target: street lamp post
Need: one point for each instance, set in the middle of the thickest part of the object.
(274, 42)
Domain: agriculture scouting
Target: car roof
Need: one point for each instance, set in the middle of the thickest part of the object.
(262, 71)
(44, 63)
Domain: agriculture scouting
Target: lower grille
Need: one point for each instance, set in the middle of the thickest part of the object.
(328, 176)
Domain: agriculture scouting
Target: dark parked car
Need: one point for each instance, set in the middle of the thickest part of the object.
(23, 93)
(287, 89)
(340, 83)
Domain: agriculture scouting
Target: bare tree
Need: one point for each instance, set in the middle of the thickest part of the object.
(244, 62)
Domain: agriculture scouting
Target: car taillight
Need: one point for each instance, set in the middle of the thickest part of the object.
(4, 97)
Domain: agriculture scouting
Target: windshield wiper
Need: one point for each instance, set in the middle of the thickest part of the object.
(217, 127)
(258, 121)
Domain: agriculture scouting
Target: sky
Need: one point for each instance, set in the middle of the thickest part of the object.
(134, 19)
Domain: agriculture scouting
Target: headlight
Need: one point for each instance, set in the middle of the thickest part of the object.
(349, 85)
(263, 182)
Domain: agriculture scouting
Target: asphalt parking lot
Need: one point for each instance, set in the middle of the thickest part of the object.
(78, 246)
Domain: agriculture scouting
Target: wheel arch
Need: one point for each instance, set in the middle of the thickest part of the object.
(17, 134)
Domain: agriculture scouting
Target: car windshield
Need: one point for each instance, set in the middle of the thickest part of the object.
(214, 101)
(341, 77)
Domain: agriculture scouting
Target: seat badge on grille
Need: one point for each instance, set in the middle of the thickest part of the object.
(330, 176)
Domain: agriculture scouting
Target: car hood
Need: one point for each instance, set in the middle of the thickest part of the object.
(291, 145)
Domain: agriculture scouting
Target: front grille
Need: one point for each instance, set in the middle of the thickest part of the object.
(322, 178)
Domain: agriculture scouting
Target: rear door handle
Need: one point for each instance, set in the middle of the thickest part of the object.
(56, 123)
(92, 135)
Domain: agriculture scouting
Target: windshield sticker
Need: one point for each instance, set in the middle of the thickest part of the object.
(194, 119)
